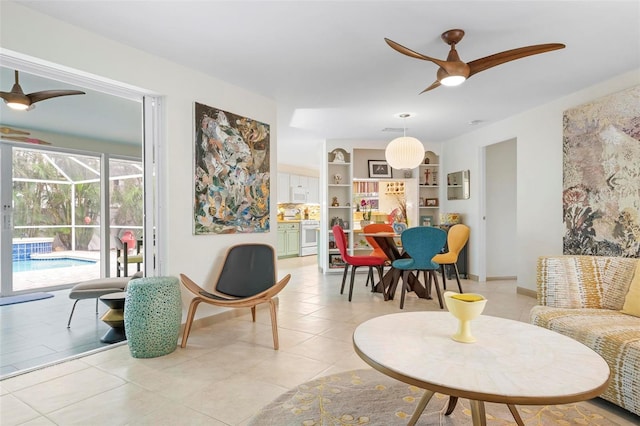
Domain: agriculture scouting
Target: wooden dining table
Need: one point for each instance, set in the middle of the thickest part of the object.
(389, 283)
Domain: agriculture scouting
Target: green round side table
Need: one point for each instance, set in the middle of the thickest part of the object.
(152, 316)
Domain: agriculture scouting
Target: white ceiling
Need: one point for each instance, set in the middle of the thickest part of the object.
(332, 75)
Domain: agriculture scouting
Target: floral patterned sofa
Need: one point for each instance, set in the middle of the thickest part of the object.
(596, 300)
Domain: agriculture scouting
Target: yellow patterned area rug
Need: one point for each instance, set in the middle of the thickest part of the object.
(367, 397)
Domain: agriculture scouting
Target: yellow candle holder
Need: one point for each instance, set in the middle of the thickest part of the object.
(465, 307)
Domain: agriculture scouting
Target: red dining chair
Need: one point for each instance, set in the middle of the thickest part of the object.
(355, 261)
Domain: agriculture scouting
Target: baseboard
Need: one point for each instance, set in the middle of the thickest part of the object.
(502, 278)
(527, 292)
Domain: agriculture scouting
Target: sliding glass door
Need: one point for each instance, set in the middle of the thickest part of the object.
(54, 215)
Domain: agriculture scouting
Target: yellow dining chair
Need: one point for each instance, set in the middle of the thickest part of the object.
(456, 239)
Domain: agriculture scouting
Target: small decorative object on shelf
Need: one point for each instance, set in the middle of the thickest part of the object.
(335, 261)
(399, 227)
(337, 221)
(426, 220)
(334, 202)
(427, 172)
(337, 178)
(450, 218)
(395, 188)
(338, 155)
(465, 307)
(366, 214)
(431, 202)
(426, 160)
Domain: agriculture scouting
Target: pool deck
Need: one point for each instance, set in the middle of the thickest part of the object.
(59, 277)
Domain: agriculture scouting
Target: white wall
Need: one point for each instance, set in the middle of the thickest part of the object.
(27, 32)
(539, 161)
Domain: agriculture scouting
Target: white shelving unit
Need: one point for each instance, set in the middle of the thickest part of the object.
(429, 189)
(342, 190)
(338, 208)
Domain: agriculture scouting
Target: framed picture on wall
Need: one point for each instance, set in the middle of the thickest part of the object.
(379, 169)
(431, 202)
(230, 161)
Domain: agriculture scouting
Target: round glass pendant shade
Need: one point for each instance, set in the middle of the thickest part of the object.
(404, 153)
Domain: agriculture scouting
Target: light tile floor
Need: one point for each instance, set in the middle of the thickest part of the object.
(229, 369)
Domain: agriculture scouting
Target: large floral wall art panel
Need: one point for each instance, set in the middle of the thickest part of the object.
(601, 192)
(231, 173)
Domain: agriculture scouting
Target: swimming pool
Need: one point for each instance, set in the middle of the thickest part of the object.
(41, 264)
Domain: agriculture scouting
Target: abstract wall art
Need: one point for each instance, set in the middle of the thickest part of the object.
(231, 173)
(601, 185)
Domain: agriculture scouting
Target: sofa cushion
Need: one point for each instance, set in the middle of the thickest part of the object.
(584, 281)
(613, 335)
(632, 300)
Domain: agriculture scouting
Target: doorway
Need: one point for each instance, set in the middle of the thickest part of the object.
(500, 194)
(103, 158)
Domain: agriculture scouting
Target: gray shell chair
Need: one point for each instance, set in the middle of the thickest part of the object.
(247, 279)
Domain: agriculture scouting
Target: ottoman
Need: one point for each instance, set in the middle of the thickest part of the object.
(152, 316)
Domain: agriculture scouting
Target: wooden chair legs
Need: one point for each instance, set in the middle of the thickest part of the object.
(433, 276)
(344, 277)
(192, 312)
(274, 323)
(187, 326)
(444, 279)
(353, 272)
(430, 278)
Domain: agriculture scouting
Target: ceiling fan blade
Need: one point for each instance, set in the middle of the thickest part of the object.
(27, 140)
(9, 131)
(510, 55)
(48, 94)
(433, 86)
(406, 51)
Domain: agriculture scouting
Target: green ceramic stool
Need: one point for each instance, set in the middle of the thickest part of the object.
(152, 316)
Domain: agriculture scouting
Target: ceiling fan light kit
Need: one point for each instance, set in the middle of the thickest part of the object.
(454, 72)
(16, 105)
(404, 152)
(16, 99)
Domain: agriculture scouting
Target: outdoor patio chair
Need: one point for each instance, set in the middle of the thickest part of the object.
(93, 289)
(124, 258)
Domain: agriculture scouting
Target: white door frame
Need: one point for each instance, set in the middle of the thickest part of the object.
(152, 137)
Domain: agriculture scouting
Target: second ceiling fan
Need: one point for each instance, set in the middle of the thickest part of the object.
(18, 100)
(453, 71)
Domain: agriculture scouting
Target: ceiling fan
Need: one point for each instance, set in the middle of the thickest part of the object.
(453, 71)
(16, 98)
(17, 135)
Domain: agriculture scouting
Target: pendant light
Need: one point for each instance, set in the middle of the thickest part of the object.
(404, 152)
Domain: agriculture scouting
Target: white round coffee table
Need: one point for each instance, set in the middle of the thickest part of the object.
(512, 362)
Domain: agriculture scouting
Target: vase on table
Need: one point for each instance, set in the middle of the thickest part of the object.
(465, 307)
(364, 223)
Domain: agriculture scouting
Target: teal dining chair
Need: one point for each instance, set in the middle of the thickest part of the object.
(422, 243)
